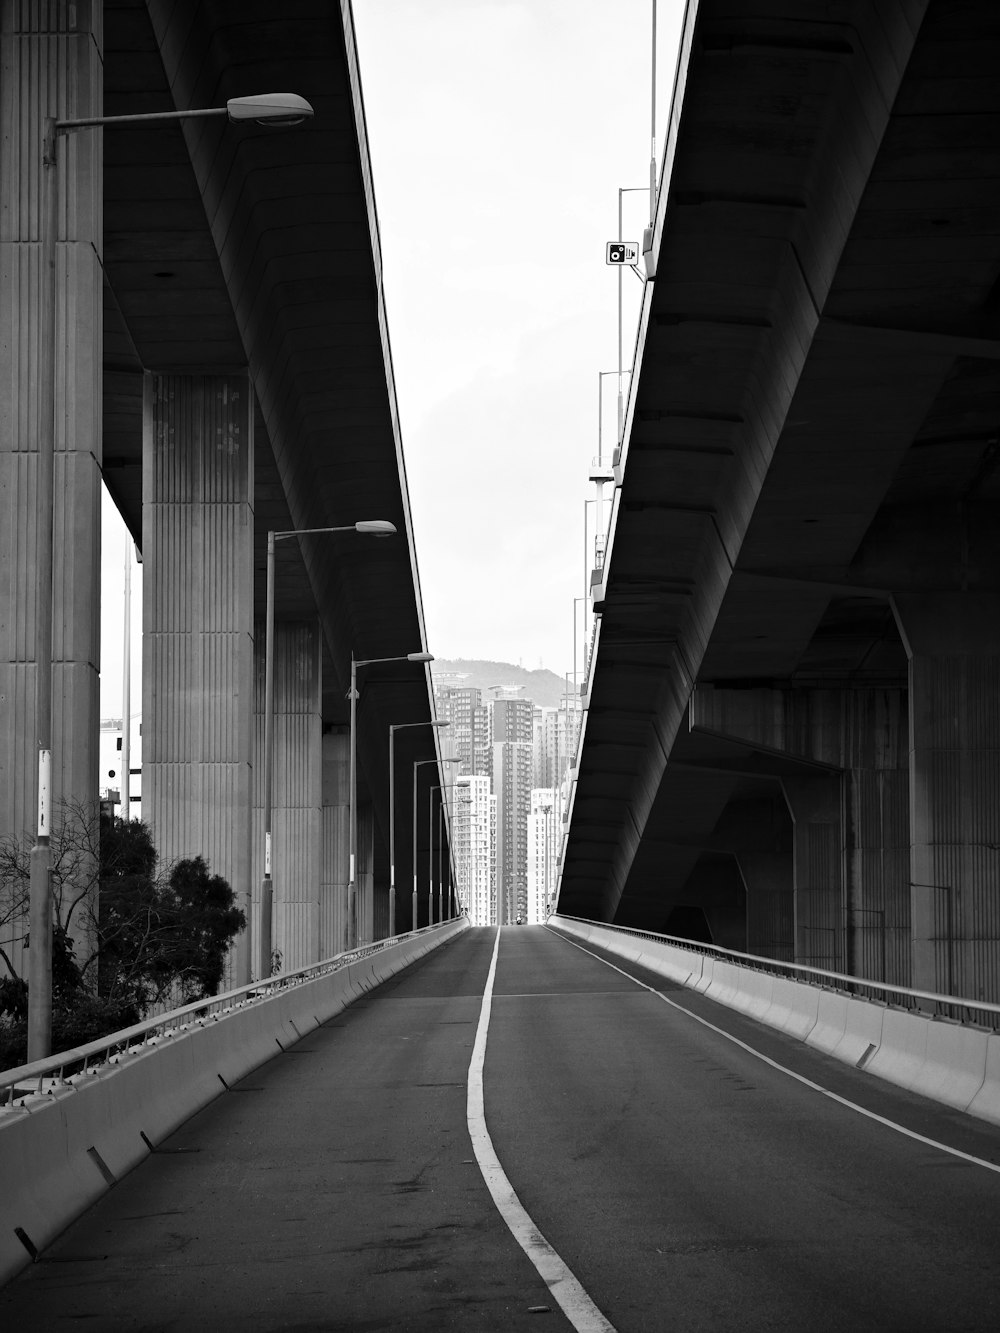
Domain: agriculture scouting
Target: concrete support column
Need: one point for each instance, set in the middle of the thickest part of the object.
(877, 834)
(336, 839)
(366, 881)
(296, 816)
(815, 805)
(770, 920)
(197, 700)
(953, 645)
(50, 65)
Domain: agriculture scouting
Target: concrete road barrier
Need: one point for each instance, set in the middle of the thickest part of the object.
(60, 1152)
(956, 1064)
(986, 1102)
(794, 1007)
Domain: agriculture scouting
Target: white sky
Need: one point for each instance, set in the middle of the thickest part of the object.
(500, 133)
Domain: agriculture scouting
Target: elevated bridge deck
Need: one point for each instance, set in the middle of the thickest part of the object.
(692, 1169)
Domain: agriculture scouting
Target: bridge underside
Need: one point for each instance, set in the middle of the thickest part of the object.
(223, 363)
(792, 741)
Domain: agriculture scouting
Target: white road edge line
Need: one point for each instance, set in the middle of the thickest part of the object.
(574, 1302)
(799, 1078)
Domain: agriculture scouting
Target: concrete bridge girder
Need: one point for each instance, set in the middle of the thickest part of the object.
(214, 269)
(837, 455)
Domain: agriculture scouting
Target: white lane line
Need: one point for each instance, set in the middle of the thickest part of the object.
(799, 1078)
(577, 1306)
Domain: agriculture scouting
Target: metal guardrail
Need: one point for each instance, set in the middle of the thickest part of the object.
(950, 1008)
(68, 1067)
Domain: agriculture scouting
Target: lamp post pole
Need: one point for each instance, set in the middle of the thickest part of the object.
(279, 108)
(440, 911)
(417, 765)
(441, 787)
(398, 726)
(370, 527)
(352, 923)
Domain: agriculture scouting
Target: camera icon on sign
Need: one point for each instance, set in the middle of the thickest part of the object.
(616, 254)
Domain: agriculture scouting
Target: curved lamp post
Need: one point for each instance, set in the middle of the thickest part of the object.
(442, 787)
(376, 527)
(352, 920)
(417, 765)
(269, 108)
(397, 726)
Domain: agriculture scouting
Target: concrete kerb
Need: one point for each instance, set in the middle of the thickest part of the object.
(794, 1008)
(903, 1049)
(754, 993)
(59, 1153)
(831, 1021)
(954, 1067)
(862, 1032)
(986, 1102)
(725, 985)
(955, 1064)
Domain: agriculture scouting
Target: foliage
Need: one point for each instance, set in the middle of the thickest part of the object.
(152, 938)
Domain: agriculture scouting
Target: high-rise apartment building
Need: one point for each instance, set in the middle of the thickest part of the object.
(512, 754)
(556, 731)
(468, 735)
(474, 831)
(543, 849)
(506, 847)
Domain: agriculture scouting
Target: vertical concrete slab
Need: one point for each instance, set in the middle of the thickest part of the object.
(336, 839)
(953, 645)
(197, 701)
(366, 881)
(50, 65)
(770, 903)
(818, 869)
(296, 816)
(876, 763)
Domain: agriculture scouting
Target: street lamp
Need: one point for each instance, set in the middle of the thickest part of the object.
(442, 788)
(376, 527)
(352, 852)
(397, 726)
(275, 108)
(417, 765)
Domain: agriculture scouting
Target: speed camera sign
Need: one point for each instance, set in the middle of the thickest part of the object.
(622, 252)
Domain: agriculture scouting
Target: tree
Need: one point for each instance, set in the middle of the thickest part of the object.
(149, 938)
(159, 938)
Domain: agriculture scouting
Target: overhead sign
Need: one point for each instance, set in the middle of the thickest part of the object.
(622, 252)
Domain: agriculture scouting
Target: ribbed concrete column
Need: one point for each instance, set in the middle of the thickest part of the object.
(296, 816)
(365, 885)
(770, 903)
(953, 645)
(197, 700)
(336, 838)
(815, 805)
(877, 834)
(50, 65)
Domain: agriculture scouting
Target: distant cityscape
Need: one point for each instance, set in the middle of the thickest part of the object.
(513, 759)
(510, 782)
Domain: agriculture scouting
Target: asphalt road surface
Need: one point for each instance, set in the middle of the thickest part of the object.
(686, 1183)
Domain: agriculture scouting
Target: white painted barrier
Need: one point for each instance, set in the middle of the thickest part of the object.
(954, 1069)
(862, 1032)
(60, 1152)
(794, 1008)
(986, 1102)
(953, 1063)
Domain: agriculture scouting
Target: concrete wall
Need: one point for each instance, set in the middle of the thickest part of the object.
(197, 541)
(60, 1152)
(956, 1064)
(50, 65)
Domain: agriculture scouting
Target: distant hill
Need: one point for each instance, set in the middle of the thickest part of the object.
(544, 688)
